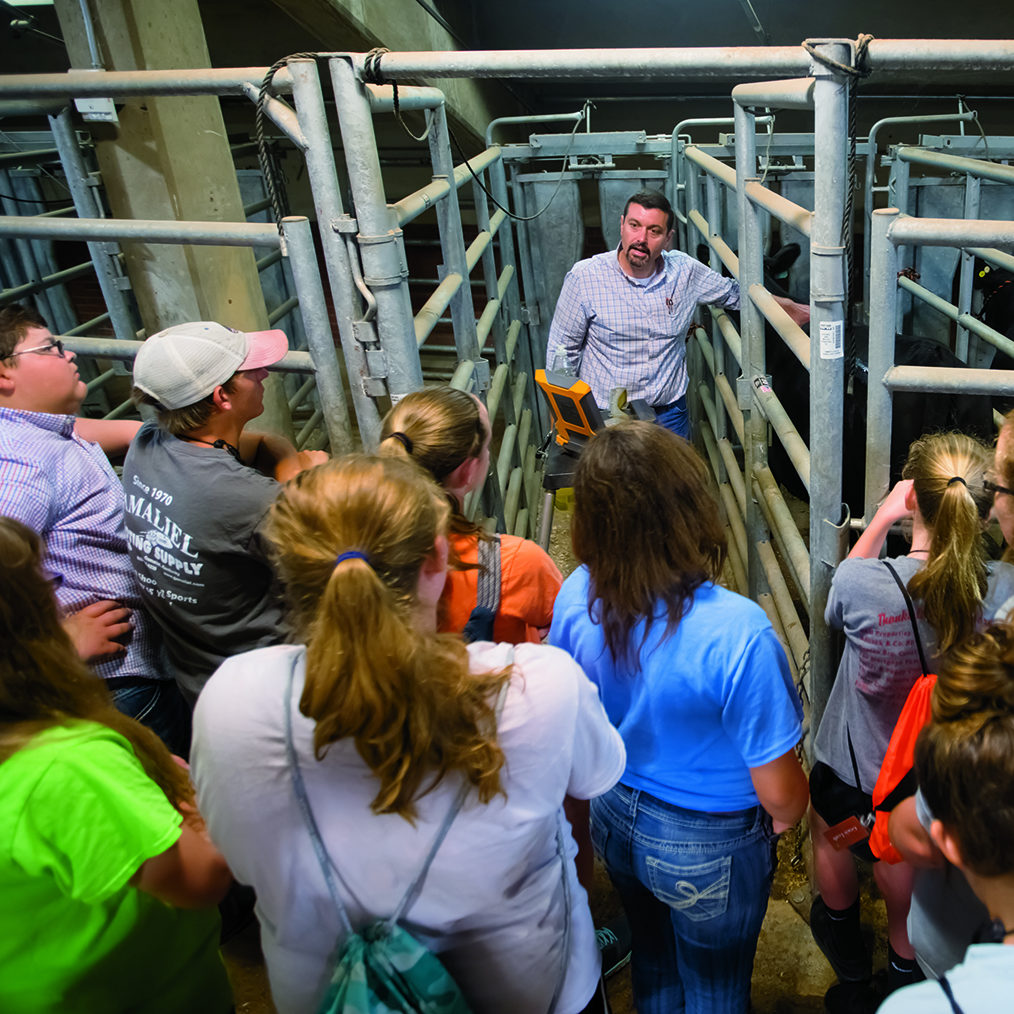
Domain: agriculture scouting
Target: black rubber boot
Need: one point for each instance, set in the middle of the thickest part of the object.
(840, 938)
(901, 971)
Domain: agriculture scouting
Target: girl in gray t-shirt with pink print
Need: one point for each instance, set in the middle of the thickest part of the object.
(954, 588)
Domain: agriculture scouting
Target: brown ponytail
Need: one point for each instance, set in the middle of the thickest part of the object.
(439, 428)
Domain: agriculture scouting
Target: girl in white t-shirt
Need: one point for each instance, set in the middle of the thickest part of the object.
(389, 718)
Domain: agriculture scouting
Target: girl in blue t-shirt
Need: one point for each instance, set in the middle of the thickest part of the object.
(698, 686)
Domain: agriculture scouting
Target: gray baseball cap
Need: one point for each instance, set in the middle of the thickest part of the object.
(184, 363)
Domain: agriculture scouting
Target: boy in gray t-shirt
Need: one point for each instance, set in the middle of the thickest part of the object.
(198, 487)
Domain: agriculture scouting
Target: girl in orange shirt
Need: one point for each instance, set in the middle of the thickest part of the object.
(447, 433)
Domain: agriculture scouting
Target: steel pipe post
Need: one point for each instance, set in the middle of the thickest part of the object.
(533, 353)
(900, 176)
(381, 246)
(320, 342)
(357, 335)
(452, 243)
(827, 328)
(692, 191)
(751, 271)
(883, 313)
(490, 280)
(714, 209)
(966, 269)
(505, 237)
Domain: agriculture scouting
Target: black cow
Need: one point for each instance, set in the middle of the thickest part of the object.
(913, 415)
(997, 288)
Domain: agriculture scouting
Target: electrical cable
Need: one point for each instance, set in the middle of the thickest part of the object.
(373, 74)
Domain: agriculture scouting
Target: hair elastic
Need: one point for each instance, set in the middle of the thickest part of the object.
(402, 439)
(353, 554)
(957, 478)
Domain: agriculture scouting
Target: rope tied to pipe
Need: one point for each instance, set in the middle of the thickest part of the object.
(268, 166)
(372, 74)
(860, 66)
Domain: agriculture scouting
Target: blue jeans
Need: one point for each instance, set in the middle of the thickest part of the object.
(695, 889)
(157, 704)
(675, 417)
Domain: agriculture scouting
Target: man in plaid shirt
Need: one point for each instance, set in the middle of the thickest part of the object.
(622, 316)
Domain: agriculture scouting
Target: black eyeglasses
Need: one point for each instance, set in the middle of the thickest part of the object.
(41, 350)
(992, 487)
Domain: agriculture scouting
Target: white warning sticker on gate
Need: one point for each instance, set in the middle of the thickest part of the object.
(832, 339)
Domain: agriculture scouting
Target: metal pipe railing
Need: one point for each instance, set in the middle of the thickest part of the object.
(995, 257)
(125, 351)
(795, 93)
(47, 281)
(16, 158)
(957, 163)
(413, 205)
(502, 121)
(942, 380)
(151, 231)
(429, 315)
(797, 340)
(782, 208)
(795, 638)
(984, 56)
(785, 430)
(88, 325)
(966, 320)
(783, 527)
(282, 309)
(724, 173)
(92, 84)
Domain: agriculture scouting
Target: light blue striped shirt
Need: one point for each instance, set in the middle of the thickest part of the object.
(64, 488)
(613, 330)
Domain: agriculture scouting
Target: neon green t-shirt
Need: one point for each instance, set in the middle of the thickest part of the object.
(78, 816)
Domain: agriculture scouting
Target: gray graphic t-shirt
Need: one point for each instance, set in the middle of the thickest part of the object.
(193, 516)
(880, 661)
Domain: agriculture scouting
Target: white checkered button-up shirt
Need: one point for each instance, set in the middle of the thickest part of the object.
(613, 330)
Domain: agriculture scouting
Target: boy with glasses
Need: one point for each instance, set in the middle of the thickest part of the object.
(55, 478)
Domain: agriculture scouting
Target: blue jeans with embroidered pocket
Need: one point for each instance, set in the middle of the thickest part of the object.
(695, 889)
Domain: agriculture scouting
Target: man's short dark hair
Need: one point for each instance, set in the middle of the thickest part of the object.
(15, 321)
(653, 200)
(179, 421)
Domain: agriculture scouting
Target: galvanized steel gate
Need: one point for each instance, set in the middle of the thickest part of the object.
(380, 336)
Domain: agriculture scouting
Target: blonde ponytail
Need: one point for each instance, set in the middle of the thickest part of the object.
(948, 472)
(405, 696)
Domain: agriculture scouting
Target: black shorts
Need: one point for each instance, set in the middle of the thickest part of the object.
(834, 799)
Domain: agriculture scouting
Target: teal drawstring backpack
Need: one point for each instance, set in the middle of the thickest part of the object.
(383, 969)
